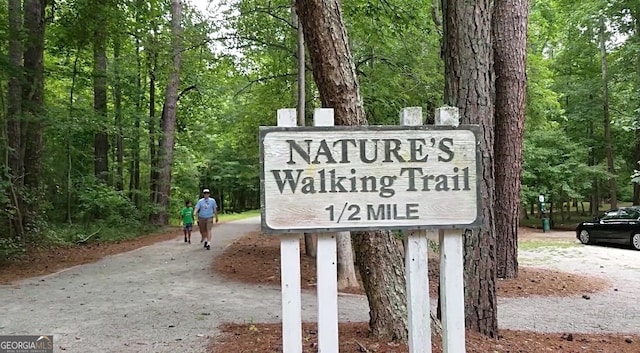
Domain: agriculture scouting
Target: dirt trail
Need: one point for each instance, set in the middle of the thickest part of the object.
(614, 310)
(160, 298)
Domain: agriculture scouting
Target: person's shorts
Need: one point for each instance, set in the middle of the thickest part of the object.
(205, 225)
(188, 226)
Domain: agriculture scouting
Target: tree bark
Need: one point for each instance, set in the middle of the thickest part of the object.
(309, 238)
(594, 198)
(509, 28)
(33, 93)
(378, 254)
(607, 118)
(153, 154)
(636, 19)
(134, 174)
(346, 267)
(72, 91)
(469, 85)
(636, 186)
(117, 93)
(14, 116)
(14, 97)
(101, 138)
(168, 121)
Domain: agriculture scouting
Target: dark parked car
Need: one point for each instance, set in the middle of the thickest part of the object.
(620, 226)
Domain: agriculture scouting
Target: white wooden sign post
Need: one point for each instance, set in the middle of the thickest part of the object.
(417, 269)
(411, 177)
(290, 272)
(451, 265)
(327, 268)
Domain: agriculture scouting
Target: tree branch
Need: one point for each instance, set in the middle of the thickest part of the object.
(263, 79)
(192, 87)
(266, 10)
(435, 13)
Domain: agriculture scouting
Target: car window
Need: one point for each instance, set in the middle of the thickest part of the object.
(610, 215)
(623, 214)
(629, 213)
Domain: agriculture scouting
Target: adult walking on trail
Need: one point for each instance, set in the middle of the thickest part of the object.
(206, 210)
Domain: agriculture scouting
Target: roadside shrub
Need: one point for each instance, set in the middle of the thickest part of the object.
(10, 248)
(97, 201)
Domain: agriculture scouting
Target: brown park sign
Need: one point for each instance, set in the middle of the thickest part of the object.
(369, 177)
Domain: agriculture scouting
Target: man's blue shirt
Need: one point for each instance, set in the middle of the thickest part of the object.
(206, 207)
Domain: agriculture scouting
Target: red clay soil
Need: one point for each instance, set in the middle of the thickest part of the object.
(43, 260)
(256, 259)
(355, 338)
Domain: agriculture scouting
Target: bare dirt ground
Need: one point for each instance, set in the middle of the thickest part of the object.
(263, 255)
(568, 298)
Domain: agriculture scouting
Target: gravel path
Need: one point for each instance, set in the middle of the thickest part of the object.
(613, 311)
(160, 298)
(163, 298)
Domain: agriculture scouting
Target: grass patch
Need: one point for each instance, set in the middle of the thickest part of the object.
(226, 217)
(98, 232)
(572, 217)
(532, 245)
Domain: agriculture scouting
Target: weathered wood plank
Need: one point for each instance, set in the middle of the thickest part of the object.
(416, 264)
(451, 269)
(312, 177)
(327, 268)
(290, 273)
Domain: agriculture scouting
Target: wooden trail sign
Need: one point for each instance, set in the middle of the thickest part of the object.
(357, 178)
(369, 177)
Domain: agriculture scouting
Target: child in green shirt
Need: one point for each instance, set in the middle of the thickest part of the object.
(186, 215)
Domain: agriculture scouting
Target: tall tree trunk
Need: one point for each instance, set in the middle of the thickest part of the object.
(72, 90)
(14, 98)
(509, 28)
(134, 174)
(14, 116)
(378, 254)
(101, 138)
(346, 266)
(636, 19)
(118, 115)
(607, 119)
(594, 198)
(168, 121)
(309, 238)
(33, 93)
(469, 84)
(153, 126)
(636, 159)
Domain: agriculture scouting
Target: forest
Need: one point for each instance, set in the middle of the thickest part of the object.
(114, 112)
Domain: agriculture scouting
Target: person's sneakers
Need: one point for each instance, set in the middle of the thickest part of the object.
(189, 241)
(208, 246)
(185, 239)
(205, 244)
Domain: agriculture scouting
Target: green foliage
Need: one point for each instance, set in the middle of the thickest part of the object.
(10, 248)
(557, 167)
(97, 201)
(396, 46)
(95, 232)
(240, 70)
